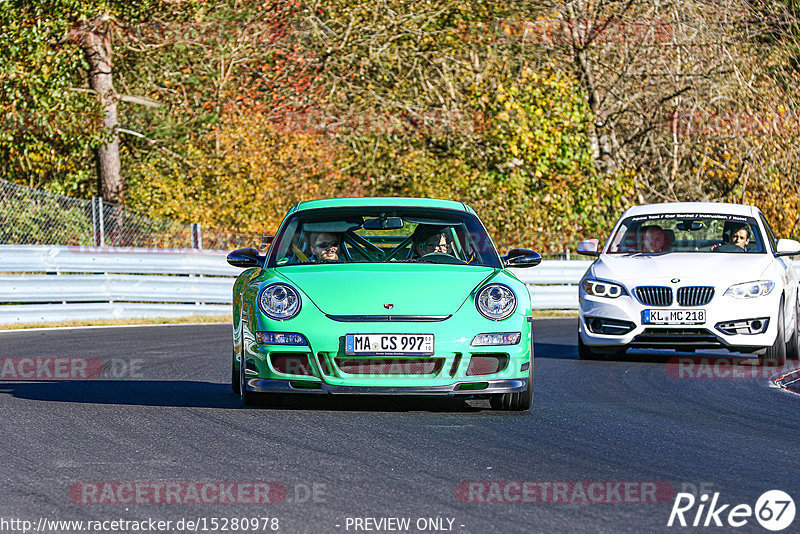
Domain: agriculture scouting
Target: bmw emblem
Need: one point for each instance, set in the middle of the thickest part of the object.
(675, 280)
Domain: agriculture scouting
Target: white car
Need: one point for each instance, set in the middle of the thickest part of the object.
(690, 276)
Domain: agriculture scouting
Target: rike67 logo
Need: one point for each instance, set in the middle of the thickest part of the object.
(774, 511)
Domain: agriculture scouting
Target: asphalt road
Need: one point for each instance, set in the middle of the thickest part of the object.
(162, 412)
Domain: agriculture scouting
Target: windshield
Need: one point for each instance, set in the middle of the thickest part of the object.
(383, 235)
(687, 232)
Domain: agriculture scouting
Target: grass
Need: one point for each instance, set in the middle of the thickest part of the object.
(537, 314)
(547, 314)
(121, 322)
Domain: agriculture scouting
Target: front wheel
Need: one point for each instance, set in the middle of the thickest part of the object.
(586, 353)
(776, 354)
(234, 376)
(793, 346)
(516, 402)
(249, 398)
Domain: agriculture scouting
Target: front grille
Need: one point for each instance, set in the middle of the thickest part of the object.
(695, 295)
(654, 295)
(390, 366)
(486, 364)
(676, 338)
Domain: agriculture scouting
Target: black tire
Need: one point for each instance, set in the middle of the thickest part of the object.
(585, 353)
(793, 345)
(515, 402)
(249, 398)
(776, 354)
(235, 378)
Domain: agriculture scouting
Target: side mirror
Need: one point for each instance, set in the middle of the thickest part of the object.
(589, 247)
(522, 257)
(266, 240)
(787, 247)
(245, 257)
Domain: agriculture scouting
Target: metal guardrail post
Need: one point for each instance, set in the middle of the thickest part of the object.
(197, 235)
(98, 227)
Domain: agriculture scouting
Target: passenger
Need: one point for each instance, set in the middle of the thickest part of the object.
(654, 240)
(430, 239)
(324, 246)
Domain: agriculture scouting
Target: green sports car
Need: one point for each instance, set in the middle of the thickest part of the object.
(385, 296)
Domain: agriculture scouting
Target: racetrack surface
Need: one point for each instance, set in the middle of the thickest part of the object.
(164, 412)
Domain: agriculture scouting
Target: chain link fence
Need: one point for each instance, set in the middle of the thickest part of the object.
(34, 217)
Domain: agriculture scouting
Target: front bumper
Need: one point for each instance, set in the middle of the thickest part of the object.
(721, 309)
(267, 385)
(455, 367)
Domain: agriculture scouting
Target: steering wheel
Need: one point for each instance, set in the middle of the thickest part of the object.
(440, 257)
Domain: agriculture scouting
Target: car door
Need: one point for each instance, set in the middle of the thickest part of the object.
(789, 277)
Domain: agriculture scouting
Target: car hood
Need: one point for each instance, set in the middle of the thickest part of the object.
(364, 289)
(707, 268)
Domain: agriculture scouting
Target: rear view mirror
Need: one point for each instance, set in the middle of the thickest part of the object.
(690, 226)
(522, 257)
(245, 257)
(385, 223)
(589, 247)
(787, 247)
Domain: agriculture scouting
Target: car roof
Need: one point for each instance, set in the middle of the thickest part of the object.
(357, 202)
(693, 207)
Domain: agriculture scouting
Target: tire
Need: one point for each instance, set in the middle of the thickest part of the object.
(235, 378)
(249, 398)
(793, 346)
(776, 354)
(515, 402)
(585, 353)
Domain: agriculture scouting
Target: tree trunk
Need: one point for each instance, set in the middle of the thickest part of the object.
(97, 48)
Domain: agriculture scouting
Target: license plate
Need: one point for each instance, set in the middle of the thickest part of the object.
(673, 316)
(377, 344)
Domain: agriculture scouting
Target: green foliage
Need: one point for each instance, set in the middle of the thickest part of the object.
(47, 128)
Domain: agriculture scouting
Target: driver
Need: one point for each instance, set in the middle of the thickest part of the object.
(324, 247)
(654, 239)
(740, 236)
(431, 239)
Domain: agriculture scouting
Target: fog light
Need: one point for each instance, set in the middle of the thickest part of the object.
(281, 338)
(746, 327)
(504, 338)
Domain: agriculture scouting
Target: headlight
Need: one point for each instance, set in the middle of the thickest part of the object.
(751, 289)
(496, 302)
(603, 289)
(279, 301)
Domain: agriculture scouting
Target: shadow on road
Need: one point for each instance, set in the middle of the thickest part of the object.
(192, 394)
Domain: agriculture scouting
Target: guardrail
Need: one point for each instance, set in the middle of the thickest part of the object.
(49, 283)
(84, 283)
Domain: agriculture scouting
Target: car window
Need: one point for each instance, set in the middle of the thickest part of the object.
(687, 232)
(383, 235)
(773, 241)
